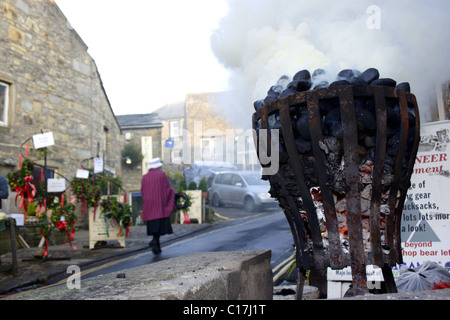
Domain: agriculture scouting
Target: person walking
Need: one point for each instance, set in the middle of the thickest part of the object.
(158, 203)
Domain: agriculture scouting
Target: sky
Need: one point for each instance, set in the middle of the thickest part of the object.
(150, 52)
(153, 52)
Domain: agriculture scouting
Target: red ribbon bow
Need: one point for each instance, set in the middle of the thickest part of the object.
(27, 192)
(60, 225)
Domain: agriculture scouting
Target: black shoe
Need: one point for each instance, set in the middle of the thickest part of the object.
(156, 249)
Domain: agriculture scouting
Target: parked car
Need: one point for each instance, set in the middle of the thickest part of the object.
(205, 169)
(243, 188)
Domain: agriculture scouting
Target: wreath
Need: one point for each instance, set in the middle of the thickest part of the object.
(62, 217)
(20, 181)
(87, 192)
(120, 213)
(183, 202)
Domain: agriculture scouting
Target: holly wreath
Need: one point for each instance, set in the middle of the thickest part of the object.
(181, 201)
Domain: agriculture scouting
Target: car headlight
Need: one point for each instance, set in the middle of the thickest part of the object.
(264, 195)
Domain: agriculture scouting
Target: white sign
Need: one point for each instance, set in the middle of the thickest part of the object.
(19, 217)
(98, 165)
(425, 224)
(56, 185)
(101, 229)
(43, 140)
(374, 273)
(82, 174)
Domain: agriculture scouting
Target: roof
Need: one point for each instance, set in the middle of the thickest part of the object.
(139, 121)
(175, 110)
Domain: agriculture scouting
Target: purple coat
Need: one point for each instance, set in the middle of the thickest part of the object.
(157, 195)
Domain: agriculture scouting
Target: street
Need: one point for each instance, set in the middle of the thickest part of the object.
(235, 230)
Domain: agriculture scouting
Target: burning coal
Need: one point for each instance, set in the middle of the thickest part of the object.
(332, 144)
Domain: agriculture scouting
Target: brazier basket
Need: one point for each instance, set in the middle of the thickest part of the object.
(343, 190)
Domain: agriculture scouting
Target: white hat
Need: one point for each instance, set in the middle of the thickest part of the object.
(154, 163)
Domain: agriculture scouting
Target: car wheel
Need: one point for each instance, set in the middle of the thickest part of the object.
(249, 204)
(216, 200)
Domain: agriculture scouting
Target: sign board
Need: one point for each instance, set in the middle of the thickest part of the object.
(82, 174)
(43, 140)
(56, 185)
(374, 273)
(169, 143)
(195, 211)
(339, 280)
(425, 225)
(101, 229)
(19, 217)
(98, 165)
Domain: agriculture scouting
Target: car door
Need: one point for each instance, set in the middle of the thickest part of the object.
(237, 189)
(225, 187)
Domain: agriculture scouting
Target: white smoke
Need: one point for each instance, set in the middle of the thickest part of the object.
(261, 40)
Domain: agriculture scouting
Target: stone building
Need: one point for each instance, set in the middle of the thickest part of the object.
(143, 132)
(172, 118)
(199, 130)
(213, 135)
(49, 83)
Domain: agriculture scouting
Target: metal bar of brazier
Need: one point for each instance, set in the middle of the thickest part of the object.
(343, 194)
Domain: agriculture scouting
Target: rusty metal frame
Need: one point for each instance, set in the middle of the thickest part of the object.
(316, 257)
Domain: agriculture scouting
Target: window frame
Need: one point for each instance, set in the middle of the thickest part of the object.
(4, 116)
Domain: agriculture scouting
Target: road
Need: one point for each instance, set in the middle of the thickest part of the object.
(235, 230)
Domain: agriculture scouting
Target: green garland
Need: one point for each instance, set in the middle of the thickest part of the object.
(118, 212)
(17, 178)
(62, 218)
(87, 192)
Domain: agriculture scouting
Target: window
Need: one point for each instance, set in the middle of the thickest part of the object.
(237, 179)
(174, 129)
(227, 179)
(212, 148)
(207, 148)
(4, 103)
(106, 139)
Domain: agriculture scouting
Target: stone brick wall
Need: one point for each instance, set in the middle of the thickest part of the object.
(54, 86)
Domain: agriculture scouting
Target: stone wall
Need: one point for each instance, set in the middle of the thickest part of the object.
(54, 86)
(237, 275)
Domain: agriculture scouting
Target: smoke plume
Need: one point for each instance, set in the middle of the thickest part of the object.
(261, 40)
